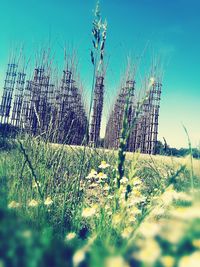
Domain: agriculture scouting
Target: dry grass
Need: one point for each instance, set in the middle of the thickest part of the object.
(174, 161)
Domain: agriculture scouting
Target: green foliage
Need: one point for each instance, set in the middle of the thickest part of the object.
(21, 246)
(76, 206)
(78, 224)
(162, 149)
(99, 38)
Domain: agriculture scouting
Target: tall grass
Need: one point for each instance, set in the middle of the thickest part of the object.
(97, 205)
(191, 159)
(84, 220)
(76, 206)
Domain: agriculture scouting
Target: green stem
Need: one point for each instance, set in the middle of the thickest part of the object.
(191, 160)
(32, 170)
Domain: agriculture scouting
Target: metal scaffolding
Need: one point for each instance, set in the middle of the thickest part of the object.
(9, 85)
(144, 132)
(114, 125)
(95, 125)
(18, 99)
(57, 111)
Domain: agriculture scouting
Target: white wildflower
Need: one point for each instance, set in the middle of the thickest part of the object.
(127, 232)
(26, 234)
(116, 261)
(93, 185)
(104, 165)
(132, 219)
(13, 205)
(33, 203)
(102, 176)
(107, 207)
(192, 260)
(137, 200)
(158, 211)
(88, 212)
(92, 174)
(48, 201)
(173, 231)
(117, 218)
(136, 181)
(167, 261)
(78, 257)
(106, 188)
(70, 236)
(135, 211)
(35, 185)
(149, 252)
(124, 180)
(149, 229)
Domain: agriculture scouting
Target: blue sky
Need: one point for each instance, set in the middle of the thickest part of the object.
(169, 29)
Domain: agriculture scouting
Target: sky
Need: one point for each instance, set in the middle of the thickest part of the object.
(136, 29)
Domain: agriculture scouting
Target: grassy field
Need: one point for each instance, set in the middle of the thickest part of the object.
(68, 206)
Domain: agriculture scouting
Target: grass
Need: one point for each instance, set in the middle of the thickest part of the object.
(80, 206)
(47, 213)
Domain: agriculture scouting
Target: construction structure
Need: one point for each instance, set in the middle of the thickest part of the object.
(56, 110)
(9, 85)
(41, 108)
(142, 117)
(114, 125)
(95, 126)
(54, 107)
(18, 99)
